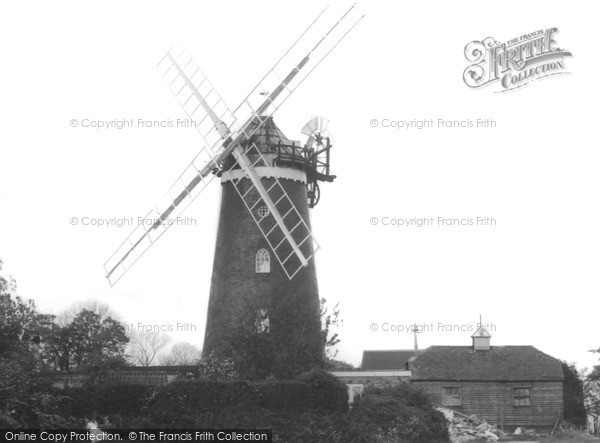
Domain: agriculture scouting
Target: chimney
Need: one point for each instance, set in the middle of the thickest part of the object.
(481, 338)
(408, 365)
(415, 330)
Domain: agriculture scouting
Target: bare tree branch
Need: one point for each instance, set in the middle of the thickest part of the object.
(144, 346)
(182, 353)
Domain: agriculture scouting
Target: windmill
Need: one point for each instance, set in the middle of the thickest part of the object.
(268, 182)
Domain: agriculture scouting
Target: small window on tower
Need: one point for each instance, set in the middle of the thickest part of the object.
(263, 262)
(263, 211)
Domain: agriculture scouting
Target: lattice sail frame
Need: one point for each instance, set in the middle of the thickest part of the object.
(281, 245)
(297, 63)
(229, 129)
(212, 119)
(158, 221)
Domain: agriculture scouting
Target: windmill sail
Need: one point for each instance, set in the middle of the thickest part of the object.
(317, 41)
(197, 96)
(223, 130)
(156, 222)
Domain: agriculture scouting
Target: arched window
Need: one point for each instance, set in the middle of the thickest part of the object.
(263, 262)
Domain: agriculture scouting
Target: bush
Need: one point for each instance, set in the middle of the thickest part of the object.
(75, 401)
(25, 388)
(315, 390)
(283, 396)
(396, 413)
(327, 392)
(311, 408)
(126, 399)
(173, 403)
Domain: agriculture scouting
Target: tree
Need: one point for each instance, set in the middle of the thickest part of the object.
(328, 321)
(20, 323)
(591, 392)
(25, 382)
(89, 343)
(591, 388)
(95, 306)
(332, 364)
(573, 395)
(331, 339)
(182, 353)
(7, 284)
(144, 346)
(59, 348)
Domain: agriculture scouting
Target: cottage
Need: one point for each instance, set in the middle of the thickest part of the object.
(508, 386)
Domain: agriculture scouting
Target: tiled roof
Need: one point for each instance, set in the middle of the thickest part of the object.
(500, 363)
(386, 360)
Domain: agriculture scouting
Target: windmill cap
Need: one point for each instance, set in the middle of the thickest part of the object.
(269, 135)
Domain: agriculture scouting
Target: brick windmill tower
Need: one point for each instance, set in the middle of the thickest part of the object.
(251, 292)
(264, 283)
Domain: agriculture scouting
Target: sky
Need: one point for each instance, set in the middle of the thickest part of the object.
(531, 273)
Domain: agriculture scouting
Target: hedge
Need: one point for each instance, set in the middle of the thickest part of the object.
(126, 399)
(314, 391)
(183, 397)
(311, 408)
(311, 391)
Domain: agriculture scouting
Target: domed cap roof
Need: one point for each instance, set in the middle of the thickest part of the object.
(269, 136)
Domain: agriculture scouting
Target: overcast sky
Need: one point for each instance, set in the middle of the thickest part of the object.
(533, 275)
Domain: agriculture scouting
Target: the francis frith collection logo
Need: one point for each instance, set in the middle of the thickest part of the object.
(516, 62)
